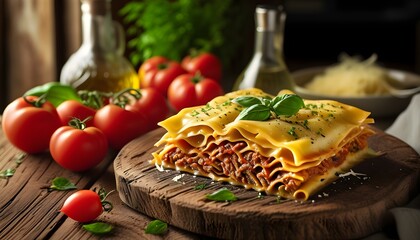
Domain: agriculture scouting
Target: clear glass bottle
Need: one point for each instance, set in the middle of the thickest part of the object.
(99, 64)
(267, 69)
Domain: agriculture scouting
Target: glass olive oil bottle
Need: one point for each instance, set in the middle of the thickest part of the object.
(267, 69)
(99, 64)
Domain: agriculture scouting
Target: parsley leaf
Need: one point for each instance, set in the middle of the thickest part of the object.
(222, 195)
(62, 184)
(7, 173)
(200, 186)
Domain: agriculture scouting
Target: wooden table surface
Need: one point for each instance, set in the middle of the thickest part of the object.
(28, 210)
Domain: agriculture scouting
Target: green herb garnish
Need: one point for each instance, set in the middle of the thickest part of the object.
(287, 104)
(200, 186)
(261, 109)
(62, 184)
(256, 112)
(222, 195)
(156, 227)
(19, 158)
(98, 228)
(7, 173)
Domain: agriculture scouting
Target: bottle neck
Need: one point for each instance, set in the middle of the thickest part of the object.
(97, 25)
(269, 45)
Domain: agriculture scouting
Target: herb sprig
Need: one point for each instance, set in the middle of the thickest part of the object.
(261, 109)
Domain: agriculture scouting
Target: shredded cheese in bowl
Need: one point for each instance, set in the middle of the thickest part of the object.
(352, 78)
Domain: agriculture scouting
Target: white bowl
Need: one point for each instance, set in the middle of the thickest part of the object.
(379, 106)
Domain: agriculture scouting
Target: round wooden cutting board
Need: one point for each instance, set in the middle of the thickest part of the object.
(351, 207)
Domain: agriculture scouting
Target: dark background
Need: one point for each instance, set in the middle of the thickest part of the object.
(316, 33)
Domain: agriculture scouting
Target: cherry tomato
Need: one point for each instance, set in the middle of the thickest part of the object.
(207, 64)
(190, 90)
(78, 148)
(74, 109)
(158, 72)
(152, 105)
(120, 125)
(83, 206)
(28, 124)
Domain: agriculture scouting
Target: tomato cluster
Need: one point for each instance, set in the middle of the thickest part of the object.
(78, 135)
(194, 81)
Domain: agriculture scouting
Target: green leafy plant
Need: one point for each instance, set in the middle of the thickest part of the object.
(172, 28)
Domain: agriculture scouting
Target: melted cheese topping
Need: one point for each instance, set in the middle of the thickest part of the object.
(298, 142)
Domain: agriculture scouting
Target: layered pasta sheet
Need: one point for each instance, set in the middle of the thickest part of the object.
(290, 156)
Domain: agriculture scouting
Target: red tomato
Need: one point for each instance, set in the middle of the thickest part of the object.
(74, 109)
(120, 125)
(158, 72)
(83, 206)
(152, 105)
(207, 64)
(29, 127)
(190, 90)
(150, 64)
(78, 149)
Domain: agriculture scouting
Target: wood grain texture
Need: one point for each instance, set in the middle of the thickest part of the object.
(127, 223)
(29, 211)
(351, 207)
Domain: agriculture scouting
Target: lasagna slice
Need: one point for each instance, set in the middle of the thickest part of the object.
(289, 156)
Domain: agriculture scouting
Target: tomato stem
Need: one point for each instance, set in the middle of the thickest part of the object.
(38, 102)
(79, 124)
(122, 97)
(107, 206)
(162, 66)
(197, 77)
(93, 99)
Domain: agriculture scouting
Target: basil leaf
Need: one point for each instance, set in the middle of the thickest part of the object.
(98, 228)
(222, 195)
(7, 173)
(288, 104)
(266, 101)
(156, 227)
(54, 92)
(247, 101)
(62, 184)
(256, 112)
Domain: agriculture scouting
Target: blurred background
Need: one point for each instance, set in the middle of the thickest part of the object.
(38, 36)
